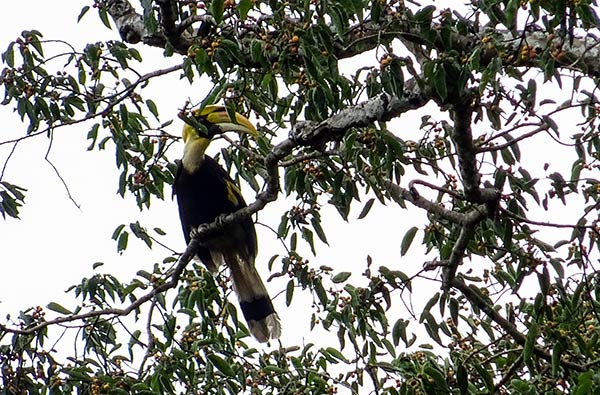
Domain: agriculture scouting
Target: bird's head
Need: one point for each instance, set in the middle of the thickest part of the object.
(204, 125)
(213, 120)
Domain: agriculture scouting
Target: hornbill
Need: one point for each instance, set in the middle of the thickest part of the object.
(204, 192)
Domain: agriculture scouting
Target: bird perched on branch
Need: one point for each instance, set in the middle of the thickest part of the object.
(204, 192)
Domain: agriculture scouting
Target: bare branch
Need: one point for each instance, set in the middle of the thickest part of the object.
(62, 180)
(513, 141)
(10, 154)
(435, 187)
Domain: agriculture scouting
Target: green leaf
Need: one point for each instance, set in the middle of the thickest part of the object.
(557, 352)
(336, 353)
(462, 378)
(273, 369)
(150, 21)
(104, 16)
(15, 190)
(257, 51)
(122, 242)
(434, 299)
(221, 365)
(407, 240)
(510, 12)
(293, 241)
(117, 231)
(9, 55)
(439, 81)
(289, 292)
(392, 78)
(307, 235)
(124, 114)
(366, 208)
(425, 15)
(316, 224)
(320, 291)
(58, 308)
(454, 309)
(216, 10)
(530, 341)
(152, 107)
(522, 386)
(341, 277)
(84, 10)
(485, 376)
(438, 378)
(244, 7)
(399, 331)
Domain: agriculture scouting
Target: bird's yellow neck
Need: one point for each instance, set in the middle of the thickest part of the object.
(193, 152)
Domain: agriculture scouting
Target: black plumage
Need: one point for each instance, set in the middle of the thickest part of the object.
(204, 192)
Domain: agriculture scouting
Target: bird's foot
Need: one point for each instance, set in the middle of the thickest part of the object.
(196, 234)
(220, 221)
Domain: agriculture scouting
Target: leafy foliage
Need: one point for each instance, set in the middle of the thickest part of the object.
(510, 301)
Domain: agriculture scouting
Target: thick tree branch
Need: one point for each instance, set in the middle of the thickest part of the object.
(176, 37)
(462, 136)
(583, 55)
(131, 24)
(383, 107)
(458, 252)
(400, 194)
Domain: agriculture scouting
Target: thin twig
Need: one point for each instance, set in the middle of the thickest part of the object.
(541, 223)
(10, 154)
(60, 177)
(513, 141)
(435, 187)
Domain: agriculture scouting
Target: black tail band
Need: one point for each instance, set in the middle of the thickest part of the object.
(257, 309)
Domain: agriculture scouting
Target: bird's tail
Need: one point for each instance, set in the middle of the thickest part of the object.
(254, 299)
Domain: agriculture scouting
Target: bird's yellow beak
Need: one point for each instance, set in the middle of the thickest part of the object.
(218, 115)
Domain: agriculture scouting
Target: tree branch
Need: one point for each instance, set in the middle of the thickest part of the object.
(129, 23)
(511, 142)
(382, 107)
(168, 20)
(583, 55)
(399, 194)
(172, 283)
(111, 100)
(462, 137)
(476, 299)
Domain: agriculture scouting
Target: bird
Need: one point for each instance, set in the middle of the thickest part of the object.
(205, 192)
